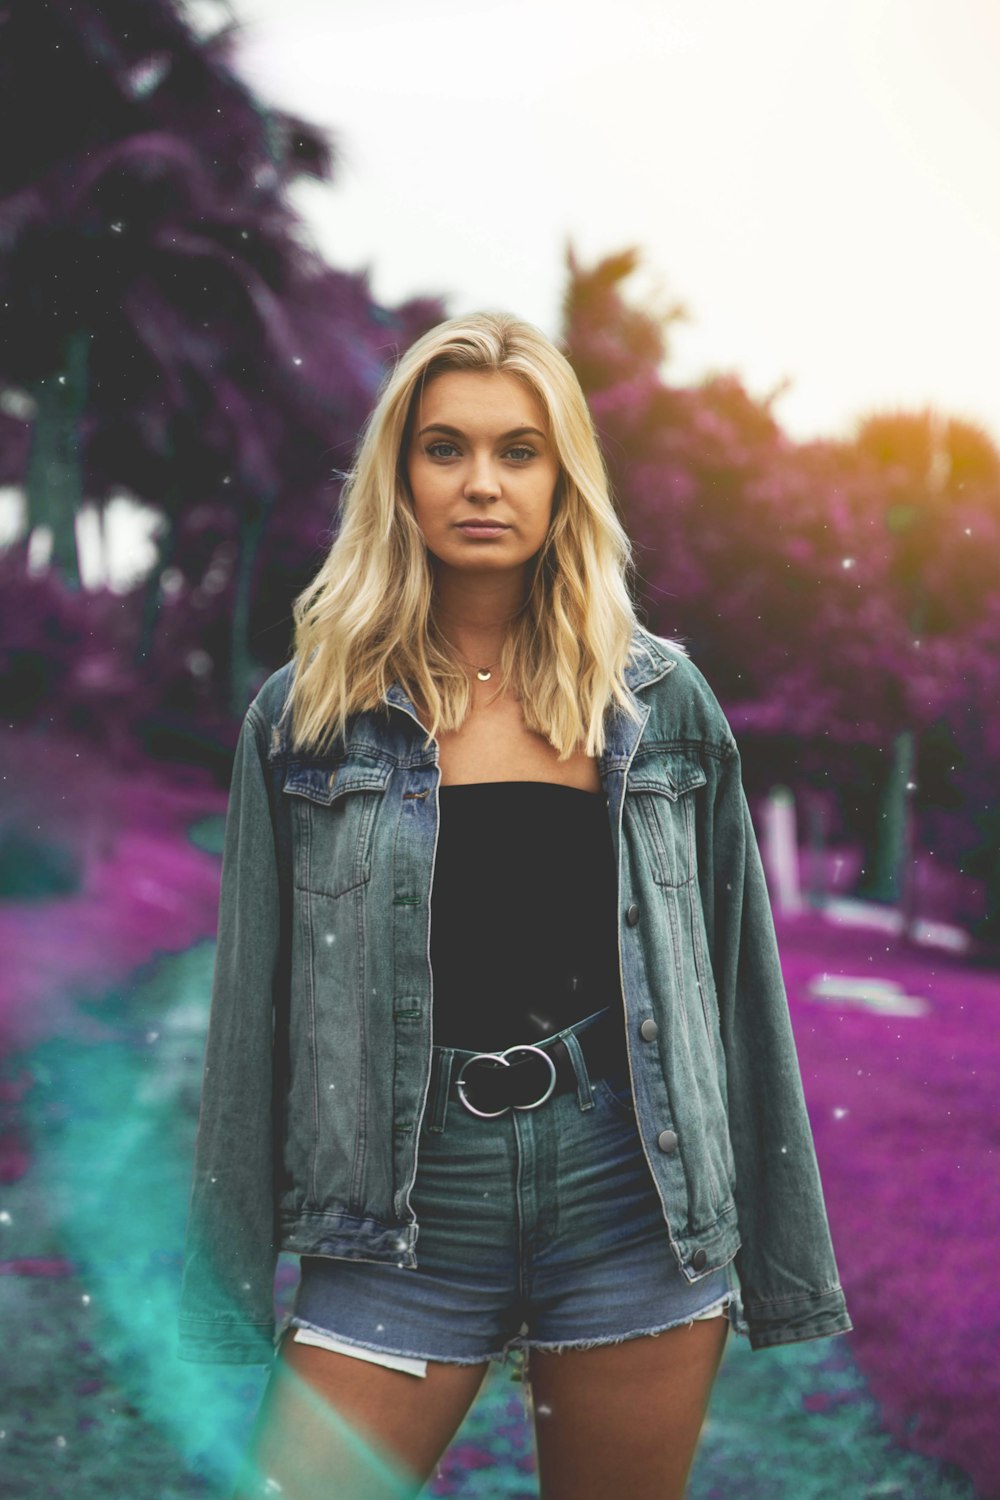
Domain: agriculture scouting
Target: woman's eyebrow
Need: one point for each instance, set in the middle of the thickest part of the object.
(457, 431)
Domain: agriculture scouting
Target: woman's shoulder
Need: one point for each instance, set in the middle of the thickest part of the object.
(270, 698)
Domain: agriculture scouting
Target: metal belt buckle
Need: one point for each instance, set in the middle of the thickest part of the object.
(501, 1059)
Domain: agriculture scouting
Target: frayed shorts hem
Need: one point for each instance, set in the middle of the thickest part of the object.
(520, 1343)
(717, 1309)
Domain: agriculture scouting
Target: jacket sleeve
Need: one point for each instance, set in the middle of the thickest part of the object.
(786, 1265)
(227, 1291)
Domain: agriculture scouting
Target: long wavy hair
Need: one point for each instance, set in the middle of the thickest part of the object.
(368, 617)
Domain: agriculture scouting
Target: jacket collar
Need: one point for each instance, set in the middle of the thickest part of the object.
(648, 662)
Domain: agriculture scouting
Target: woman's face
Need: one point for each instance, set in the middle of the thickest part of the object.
(482, 470)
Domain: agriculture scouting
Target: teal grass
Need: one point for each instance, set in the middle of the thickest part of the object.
(110, 1118)
(209, 833)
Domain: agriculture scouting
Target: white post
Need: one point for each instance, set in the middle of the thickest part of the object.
(780, 850)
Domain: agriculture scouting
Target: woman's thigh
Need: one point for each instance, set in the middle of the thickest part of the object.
(624, 1418)
(331, 1426)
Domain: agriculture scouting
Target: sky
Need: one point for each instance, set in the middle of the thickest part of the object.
(812, 179)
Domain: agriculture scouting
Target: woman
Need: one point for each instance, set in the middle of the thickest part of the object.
(499, 1043)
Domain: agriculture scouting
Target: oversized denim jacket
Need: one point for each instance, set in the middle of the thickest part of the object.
(318, 1055)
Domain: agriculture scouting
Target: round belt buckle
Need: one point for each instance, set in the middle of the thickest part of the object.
(549, 1087)
(500, 1059)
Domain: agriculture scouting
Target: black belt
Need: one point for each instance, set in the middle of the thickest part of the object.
(525, 1075)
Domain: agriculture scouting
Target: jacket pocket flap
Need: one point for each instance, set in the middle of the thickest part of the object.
(325, 783)
(670, 773)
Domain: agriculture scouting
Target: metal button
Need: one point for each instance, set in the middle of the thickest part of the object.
(632, 915)
(667, 1140)
(648, 1031)
(698, 1259)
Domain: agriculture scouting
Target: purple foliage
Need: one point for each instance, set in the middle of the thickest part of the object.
(796, 573)
(146, 887)
(224, 377)
(37, 1265)
(67, 663)
(903, 1116)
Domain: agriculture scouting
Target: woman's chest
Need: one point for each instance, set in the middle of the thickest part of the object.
(495, 744)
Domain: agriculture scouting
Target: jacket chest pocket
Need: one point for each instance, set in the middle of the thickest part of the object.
(334, 807)
(661, 793)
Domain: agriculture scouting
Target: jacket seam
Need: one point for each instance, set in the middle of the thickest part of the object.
(710, 747)
(799, 1297)
(253, 716)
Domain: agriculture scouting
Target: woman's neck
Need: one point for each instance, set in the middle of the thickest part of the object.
(476, 622)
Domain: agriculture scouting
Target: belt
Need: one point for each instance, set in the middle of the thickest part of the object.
(524, 1076)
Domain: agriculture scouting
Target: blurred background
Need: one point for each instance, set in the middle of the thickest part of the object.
(767, 239)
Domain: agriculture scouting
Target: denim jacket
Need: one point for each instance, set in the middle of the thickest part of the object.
(318, 1055)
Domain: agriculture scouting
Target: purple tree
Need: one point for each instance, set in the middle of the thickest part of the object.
(168, 330)
(781, 563)
(941, 480)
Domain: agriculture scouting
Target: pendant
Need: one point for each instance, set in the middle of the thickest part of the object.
(484, 674)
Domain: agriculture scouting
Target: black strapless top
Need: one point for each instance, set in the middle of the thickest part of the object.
(524, 931)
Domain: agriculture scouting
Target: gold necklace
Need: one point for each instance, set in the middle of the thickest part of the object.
(483, 673)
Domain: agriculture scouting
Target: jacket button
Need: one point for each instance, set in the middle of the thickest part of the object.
(648, 1031)
(667, 1140)
(698, 1259)
(632, 915)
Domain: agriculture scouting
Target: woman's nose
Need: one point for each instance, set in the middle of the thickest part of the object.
(483, 482)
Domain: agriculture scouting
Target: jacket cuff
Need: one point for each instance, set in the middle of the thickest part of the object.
(792, 1320)
(211, 1342)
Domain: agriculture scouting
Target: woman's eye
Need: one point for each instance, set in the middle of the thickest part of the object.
(442, 448)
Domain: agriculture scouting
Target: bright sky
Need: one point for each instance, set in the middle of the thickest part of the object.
(814, 179)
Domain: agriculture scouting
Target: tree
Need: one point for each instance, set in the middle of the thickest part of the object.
(932, 465)
(163, 318)
(792, 568)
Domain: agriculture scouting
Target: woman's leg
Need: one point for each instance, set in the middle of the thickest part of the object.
(624, 1419)
(332, 1427)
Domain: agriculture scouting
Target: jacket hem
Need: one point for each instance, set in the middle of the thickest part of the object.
(720, 1241)
(205, 1341)
(828, 1328)
(344, 1237)
(792, 1320)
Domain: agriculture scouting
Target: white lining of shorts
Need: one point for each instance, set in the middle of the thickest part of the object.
(391, 1361)
(713, 1311)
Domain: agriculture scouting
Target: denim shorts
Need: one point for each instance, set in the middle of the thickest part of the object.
(538, 1229)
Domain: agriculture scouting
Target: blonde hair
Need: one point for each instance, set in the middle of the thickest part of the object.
(367, 618)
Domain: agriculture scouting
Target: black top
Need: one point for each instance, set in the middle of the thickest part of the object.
(524, 932)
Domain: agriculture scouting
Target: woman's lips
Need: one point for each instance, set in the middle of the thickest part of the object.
(485, 530)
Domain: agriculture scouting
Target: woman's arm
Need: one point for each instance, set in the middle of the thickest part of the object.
(227, 1296)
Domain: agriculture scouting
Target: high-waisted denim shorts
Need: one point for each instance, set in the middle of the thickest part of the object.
(538, 1229)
